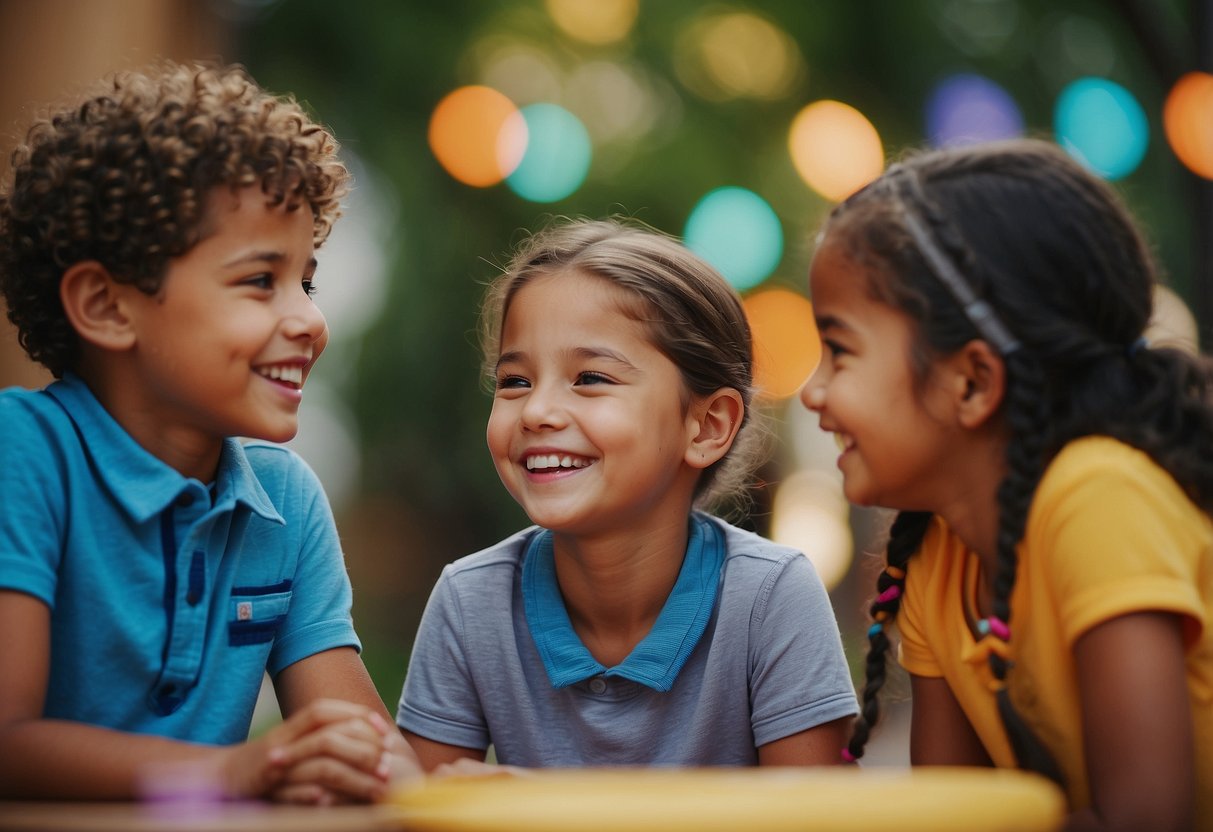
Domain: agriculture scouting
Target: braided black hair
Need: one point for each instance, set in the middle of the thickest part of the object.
(1052, 250)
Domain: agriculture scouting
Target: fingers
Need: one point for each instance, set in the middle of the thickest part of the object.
(330, 781)
(354, 742)
(323, 712)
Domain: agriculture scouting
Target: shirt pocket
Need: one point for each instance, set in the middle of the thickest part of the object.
(255, 613)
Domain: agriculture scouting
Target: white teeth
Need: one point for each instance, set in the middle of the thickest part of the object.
(545, 461)
(292, 374)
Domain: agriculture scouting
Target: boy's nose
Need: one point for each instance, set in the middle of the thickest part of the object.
(305, 320)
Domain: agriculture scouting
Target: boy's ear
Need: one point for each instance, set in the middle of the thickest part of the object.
(980, 379)
(95, 306)
(715, 420)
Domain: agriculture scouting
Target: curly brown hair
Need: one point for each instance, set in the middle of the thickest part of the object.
(122, 175)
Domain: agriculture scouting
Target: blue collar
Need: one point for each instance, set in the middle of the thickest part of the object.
(657, 659)
(142, 483)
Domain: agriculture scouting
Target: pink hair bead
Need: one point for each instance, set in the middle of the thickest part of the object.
(890, 594)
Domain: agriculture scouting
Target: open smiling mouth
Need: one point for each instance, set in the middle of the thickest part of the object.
(555, 462)
(284, 374)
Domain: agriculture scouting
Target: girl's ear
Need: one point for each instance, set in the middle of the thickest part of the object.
(980, 382)
(714, 421)
(95, 306)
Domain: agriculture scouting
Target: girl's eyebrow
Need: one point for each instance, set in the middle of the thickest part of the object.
(583, 353)
(604, 353)
(825, 322)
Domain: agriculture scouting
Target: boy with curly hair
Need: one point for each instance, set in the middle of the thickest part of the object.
(157, 244)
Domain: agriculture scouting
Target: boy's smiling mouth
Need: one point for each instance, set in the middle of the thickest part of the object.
(291, 374)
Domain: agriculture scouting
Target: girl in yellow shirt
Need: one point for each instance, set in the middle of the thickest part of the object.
(1051, 568)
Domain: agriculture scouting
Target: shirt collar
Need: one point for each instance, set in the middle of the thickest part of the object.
(656, 661)
(140, 482)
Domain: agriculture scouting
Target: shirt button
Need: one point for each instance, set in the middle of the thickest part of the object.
(598, 685)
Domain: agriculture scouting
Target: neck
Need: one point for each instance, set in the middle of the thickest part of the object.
(615, 586)
(971, 510)
(189, 453)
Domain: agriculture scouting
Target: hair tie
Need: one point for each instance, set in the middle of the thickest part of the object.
(1135, 348)
(875, 629)
(890, 594)
(847, 756)
(895, 572)
(994, 625)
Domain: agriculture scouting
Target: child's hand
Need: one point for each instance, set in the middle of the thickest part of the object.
(329, 747)
(348, 762)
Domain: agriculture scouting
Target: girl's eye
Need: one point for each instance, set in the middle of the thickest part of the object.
(590, 377)
(834, 348)
(309, 288)
(511, 382)
(265, 280)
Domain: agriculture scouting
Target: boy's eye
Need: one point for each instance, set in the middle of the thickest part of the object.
(309, 288)
(511, 382)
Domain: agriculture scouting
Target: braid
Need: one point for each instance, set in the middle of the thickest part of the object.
(1027, 424)
(905, 538)
(1027, 420)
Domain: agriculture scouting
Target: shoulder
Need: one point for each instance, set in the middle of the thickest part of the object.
(1098, 472)
(279, 470)
(36, 427)
(754, 565)
(497, 562)
(746, 549)
(31, 412)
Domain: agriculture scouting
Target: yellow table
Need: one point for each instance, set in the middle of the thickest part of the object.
(705, 800)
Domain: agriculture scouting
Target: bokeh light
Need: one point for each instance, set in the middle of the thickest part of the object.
(351, 275)
(520, 70)
(614, 101)
(835, 149)
(811, 514)
(968, 108)
(1187, 119)
(557, 156)
(594, 21)
(737, 232)
(477, 135)
(1101, 124)
(734, 54)
(787, 347)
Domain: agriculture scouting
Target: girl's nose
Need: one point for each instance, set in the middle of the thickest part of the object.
(542, 410)
(813, 393)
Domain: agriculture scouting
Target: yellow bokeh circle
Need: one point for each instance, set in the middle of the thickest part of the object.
(835, 149)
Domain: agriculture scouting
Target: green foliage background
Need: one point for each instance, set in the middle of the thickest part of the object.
(374, 70)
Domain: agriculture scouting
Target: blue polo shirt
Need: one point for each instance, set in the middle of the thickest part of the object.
(169, 598)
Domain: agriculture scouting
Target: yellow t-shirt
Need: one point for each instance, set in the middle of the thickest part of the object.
(1109, 533)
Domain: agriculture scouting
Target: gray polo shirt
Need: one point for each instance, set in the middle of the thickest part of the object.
(767, 662)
